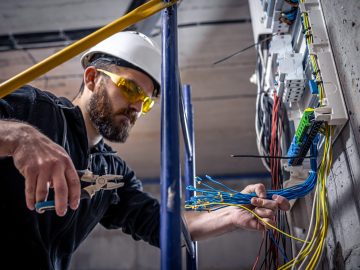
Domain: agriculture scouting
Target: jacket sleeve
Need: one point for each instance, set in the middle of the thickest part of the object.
(137, 213)
(5, 110)
(17, 104)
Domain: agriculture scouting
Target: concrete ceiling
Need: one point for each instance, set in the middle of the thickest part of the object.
(223, 97)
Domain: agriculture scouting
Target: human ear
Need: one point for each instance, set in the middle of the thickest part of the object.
(89, 77)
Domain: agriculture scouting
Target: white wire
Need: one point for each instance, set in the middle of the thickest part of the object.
(257, 115)
(262, 152)
(259, 133)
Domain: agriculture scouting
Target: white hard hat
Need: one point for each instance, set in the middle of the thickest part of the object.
(133, 47)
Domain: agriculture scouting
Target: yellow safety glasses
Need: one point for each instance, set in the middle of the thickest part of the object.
(131, 90)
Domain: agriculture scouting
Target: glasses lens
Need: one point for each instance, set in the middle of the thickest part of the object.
(148, 103)
(134, 94)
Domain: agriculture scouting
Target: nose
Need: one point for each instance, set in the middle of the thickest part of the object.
(137, 106)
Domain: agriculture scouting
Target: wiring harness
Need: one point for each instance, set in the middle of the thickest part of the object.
(215, 193)
(273, 141)
(310, 253)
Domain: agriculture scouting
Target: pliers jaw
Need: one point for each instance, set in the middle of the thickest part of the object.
(105, 182)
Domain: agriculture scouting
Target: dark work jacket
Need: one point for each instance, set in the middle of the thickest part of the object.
(46, 241)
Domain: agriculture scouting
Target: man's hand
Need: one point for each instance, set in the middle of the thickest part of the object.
(264, 208)
(43, 163)
(202, 225)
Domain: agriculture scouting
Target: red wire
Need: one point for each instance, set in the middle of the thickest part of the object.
(258, 254)
(275, 149)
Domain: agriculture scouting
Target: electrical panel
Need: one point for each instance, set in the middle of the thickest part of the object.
(299, 98)
(295, 60)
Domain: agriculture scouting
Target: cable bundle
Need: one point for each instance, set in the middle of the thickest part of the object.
(263, 120)
(212, 197)
(272, 134)
(289, 17)
(311, 251)
(216, 193)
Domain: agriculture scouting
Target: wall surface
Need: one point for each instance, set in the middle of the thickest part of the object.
(343, 241)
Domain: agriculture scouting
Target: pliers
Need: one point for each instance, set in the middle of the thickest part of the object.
(105, 182)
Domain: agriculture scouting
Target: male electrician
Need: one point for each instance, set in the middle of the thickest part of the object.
(45, 140)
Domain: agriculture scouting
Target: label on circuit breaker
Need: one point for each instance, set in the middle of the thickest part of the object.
(281, 45)
(291, 64)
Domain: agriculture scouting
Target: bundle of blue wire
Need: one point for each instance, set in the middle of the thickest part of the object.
(290, 15)
(213, 195)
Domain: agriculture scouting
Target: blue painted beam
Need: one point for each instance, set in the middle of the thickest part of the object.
(184, 123)
(189, 168)
(170, 243)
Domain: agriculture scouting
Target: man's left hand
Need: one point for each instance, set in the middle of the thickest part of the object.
(263, 207)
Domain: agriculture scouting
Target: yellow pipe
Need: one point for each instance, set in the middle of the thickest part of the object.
(138, 14)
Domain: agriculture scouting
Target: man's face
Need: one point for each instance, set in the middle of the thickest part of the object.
(110, 112)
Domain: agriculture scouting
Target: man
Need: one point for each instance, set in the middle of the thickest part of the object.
(45, 140)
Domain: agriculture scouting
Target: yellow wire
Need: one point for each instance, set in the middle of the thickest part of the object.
(326, 170)
(252, 212)
(315, 247)
(316, 244)
(313, 60)
(322, 207)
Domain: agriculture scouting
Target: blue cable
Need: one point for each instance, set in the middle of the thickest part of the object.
(216, 196)
(278, 246)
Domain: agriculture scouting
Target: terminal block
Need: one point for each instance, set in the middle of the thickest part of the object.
(290, 70)
(306, 132)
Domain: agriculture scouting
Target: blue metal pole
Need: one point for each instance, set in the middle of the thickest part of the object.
(189, 168)
(170, 242)
(184, 126)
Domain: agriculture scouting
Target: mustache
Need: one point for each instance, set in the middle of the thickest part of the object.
(132, 114)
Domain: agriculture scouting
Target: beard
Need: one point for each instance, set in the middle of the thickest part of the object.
(107, 123)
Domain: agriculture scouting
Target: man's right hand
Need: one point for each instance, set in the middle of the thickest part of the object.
(43, 163)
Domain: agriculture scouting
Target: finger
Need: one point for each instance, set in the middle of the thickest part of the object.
(268, 221)
(265, 203)
(61, 192)
(42, 187)
(264, 212)
(256, 224)
(30, 187)
(259, 189)
(74, 187)
(282, 202)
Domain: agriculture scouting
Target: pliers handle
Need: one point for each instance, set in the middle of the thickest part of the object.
(104, 182)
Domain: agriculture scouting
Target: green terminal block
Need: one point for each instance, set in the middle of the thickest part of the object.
(304, 124)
